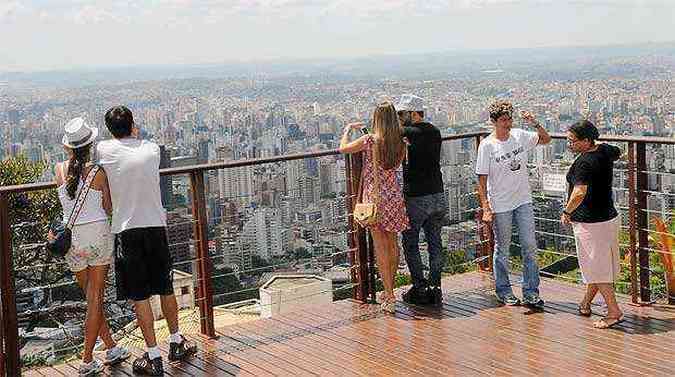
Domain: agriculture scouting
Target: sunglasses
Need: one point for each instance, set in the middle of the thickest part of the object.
(572, 141)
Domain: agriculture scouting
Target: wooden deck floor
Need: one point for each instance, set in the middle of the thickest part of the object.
(470, 336)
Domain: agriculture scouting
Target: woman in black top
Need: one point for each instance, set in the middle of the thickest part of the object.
(595, 221)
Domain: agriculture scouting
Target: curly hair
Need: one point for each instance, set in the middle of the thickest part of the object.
(499, 108)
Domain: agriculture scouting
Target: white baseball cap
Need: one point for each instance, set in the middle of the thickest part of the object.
(77, 133)
(410, 102)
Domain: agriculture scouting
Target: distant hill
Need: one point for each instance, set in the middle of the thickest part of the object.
(534, 62)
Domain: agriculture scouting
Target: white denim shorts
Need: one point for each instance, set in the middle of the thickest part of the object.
(92, 246)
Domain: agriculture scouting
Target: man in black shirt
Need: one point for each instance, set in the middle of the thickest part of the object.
(426, 203)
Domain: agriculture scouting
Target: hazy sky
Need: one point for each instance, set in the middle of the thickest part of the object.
(53, 34)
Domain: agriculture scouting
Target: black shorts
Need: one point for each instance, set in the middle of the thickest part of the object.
(143, 264)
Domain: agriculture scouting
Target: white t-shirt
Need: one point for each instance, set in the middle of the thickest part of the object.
(505, 164)
(132, 167)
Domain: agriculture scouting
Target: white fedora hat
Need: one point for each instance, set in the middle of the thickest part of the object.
(78, 133)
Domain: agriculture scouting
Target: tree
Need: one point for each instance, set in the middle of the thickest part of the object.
(330, 195)
(30, 215)
(227, 287)
(301, 253)
(259, 262)
(455, 262)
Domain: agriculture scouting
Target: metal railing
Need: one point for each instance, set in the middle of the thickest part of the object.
(359, 248)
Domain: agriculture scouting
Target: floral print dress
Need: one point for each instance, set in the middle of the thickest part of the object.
(391, 212)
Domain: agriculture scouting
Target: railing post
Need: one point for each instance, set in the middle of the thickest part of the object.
(643, 222)
(204, 289)
(11, 362)
(632, 218)
(358, 257)
(372, 267)
(485, 235)
(2, 343)
(486, 240)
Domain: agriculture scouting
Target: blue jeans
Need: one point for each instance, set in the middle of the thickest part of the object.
(424, 212)
(524, 216)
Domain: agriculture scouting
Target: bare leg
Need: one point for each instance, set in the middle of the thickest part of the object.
(105, 334)
(170, 311)
(394, 253)
(613, 310)
(146, 321)
(93, 322)
(607, 292)
(591, 292)
(383, 262)
(82, 278)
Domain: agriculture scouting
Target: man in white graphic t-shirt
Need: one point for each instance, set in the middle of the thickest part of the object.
(505, 196)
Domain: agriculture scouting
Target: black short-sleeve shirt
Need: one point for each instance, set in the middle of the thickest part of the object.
(595, 170)
(422, 170)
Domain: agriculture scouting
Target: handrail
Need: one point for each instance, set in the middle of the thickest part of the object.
(627, 139)
(187, 169)
(332, 152)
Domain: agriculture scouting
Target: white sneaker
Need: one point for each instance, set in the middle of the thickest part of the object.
(91, 369)
(116, 355)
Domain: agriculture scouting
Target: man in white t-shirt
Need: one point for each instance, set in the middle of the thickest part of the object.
(505, 196)
(143, 264)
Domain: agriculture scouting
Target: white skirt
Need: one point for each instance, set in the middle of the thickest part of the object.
(598, 250)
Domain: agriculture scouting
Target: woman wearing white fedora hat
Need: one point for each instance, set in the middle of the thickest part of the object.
(92, 244)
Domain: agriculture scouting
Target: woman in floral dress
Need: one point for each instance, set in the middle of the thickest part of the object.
(384, 151)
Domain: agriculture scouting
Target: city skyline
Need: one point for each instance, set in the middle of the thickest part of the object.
(66, 34)
(266, 219)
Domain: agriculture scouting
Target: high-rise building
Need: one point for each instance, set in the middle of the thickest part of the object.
(165, 182)
(265, 231)
(13, 117)
(203, 150)
(294, 171)
(179, 232)
(327, 176)
(230, 252)
(236, 184)
(310, 190)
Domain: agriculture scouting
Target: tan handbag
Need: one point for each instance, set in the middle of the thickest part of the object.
(366, 213)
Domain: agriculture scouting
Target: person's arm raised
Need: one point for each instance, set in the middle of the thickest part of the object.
(347, 147)
(544, 137)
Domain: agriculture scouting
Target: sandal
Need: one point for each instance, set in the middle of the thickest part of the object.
(608, 322)
(388, 305)
(584, 310)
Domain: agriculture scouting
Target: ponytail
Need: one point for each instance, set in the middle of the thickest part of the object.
(76, 166)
